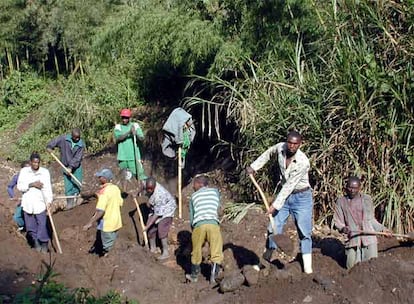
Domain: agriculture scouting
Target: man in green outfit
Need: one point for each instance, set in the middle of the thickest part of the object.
(71, 148)
(129, 156)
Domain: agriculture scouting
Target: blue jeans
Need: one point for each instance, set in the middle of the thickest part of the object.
(18, 216)
(300, 206)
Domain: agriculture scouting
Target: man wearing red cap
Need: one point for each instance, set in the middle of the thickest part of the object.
(129, 156)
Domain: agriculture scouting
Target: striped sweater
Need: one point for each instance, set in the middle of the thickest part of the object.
(204, 205)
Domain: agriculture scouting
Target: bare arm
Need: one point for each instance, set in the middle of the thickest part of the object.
(96, 216)
(151, 221)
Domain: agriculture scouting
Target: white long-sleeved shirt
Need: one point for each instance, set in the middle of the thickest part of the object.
(34, 200)
(294, 177)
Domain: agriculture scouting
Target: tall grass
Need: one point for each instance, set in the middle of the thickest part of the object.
(351, 98)
(91, 103)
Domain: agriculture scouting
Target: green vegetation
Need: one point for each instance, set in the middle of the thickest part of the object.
(48, 291)
(341, 72)
(348, 91)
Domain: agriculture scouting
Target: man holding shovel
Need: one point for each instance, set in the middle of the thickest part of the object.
(355, 217)
(71, 148)
(107, 213)
(129, 157)
(34, 182)
(162, 205)
(295, 196)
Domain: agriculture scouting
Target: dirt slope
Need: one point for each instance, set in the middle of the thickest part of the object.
(132, 271)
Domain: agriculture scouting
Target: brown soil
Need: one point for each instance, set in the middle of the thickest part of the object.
(131, 270)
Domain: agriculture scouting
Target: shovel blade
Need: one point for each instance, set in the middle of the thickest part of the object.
(284, 243)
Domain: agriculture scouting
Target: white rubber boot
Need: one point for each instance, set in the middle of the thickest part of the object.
(307, 263)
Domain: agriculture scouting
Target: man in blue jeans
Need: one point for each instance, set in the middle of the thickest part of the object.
(295, 196)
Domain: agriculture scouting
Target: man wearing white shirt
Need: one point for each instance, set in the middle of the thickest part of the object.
(34, 182)
(295, 197)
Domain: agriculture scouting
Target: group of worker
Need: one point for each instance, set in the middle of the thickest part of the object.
(354, 212)
(353, 215)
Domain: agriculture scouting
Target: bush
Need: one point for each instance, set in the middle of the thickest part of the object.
(48, 291)
(91, 103)
(351, 99)
(21, 94)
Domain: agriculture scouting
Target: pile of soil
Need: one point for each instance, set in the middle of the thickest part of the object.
(131, 270)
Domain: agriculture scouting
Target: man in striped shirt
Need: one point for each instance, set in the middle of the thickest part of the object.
(204, 205)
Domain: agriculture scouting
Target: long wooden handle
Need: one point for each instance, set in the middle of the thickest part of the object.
(264, 199)
(54, 231)
(180, 195)
(382, 233)
(66, 169)
(141, 220)
(137, 165)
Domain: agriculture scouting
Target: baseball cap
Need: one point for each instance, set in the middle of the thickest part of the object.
(107, 173)
(125, 113)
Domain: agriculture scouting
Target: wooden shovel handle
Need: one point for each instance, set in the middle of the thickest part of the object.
(141, 220)
(408, 236)
(66, 169)
(180, 178)
(55, 234)
(263, 196)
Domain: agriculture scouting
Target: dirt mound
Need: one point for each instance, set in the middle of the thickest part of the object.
(135, 273)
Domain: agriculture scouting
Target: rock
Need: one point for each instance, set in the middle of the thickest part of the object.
(20, 279)
(326, 283)
(282, 274)
(229, 262)
(307, 299)
(231, 282)
(265, 272)
(251, 275)
(295, 268)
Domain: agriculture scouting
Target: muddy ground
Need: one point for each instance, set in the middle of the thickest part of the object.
(131, 270)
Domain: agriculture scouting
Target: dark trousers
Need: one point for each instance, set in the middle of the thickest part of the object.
(36, 226)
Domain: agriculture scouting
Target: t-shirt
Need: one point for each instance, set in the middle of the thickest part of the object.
(204, 205)
(110, 201)
(126, 147)
(162, 202)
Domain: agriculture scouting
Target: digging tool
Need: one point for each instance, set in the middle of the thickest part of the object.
(180, 196)
(56, 197)
(66, 196)
(137, 164)
(52, 223)
(54, 230)
(66, 169)
(409, 236)
(282, 241)
(141, 220)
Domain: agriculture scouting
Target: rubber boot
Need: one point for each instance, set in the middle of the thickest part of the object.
(267, 255)
(153, 245)
(70, 203)
(44, 247)
(215, 273)
(193, 276)
(165, 254)
(37, 246)
(307, 263)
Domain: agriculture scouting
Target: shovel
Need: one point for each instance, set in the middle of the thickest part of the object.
(66, 169)
(283, 242)
(141, 220)
(409, 236)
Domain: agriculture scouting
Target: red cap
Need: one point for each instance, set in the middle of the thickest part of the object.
(125, 113)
